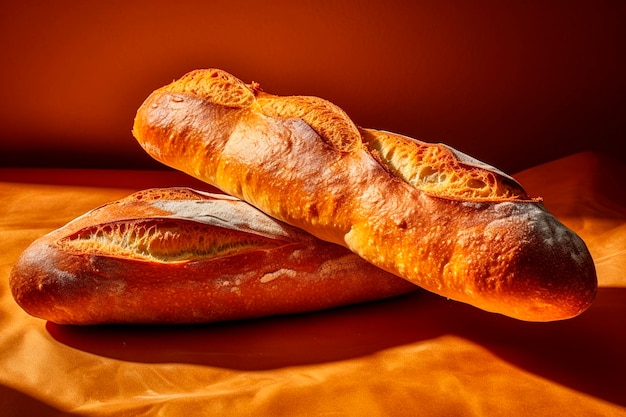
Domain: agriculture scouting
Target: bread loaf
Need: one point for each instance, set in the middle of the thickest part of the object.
(177, 255)
(424, 212)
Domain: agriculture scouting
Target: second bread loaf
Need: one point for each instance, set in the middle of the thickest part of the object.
(177, 255)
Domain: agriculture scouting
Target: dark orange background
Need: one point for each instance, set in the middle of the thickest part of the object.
(513, 83)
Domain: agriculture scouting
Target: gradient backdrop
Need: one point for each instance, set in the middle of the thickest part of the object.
(514, 83)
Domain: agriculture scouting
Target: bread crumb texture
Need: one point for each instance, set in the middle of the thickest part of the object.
(436, 170)
(162, 241)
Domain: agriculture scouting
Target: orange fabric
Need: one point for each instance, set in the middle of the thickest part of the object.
(418, 354)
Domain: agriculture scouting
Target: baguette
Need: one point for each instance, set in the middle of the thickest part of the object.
(177, 255)
(424, 212)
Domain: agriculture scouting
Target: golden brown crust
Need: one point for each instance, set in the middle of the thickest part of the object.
(329, 121)
(437, 170)
(424, 212)
(177, 255)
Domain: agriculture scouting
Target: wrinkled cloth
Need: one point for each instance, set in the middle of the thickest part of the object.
(417, 354)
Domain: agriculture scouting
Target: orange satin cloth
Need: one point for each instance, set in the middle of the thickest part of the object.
(418, 354)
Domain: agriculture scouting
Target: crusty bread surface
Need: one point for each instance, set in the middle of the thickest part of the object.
(425, 212)
(178, 255)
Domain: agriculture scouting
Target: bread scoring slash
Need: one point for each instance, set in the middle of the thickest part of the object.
(424, 212)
